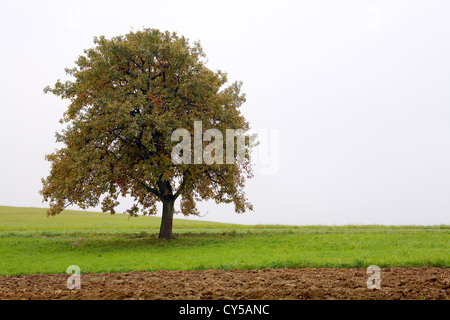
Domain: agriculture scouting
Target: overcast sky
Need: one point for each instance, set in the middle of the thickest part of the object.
(353, 97)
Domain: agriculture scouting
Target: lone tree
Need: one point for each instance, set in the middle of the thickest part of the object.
(128, 96)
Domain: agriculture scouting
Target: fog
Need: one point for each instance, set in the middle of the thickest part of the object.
(352, 96)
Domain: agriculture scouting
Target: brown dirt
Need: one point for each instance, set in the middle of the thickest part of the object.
(267, 284)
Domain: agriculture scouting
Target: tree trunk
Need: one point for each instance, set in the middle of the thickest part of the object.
(165, 232)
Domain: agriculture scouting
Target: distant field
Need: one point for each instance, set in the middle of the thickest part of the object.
(32, 243)
(30, 219)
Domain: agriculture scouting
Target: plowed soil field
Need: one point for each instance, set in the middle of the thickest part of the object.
(267, 284)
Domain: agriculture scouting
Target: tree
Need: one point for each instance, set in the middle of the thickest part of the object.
(129, 94)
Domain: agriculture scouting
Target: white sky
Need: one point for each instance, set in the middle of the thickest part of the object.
(358, 92)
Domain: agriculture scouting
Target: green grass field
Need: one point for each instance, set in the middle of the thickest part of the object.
(32, 243)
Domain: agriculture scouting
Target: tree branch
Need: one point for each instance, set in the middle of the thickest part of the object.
(182, 185)
(152, 190)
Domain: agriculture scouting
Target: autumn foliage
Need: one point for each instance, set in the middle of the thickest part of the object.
(127, 95)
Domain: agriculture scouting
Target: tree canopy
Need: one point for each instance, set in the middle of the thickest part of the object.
(128, 94)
